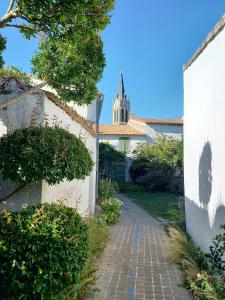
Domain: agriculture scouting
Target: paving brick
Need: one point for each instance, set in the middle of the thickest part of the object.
(134, 264)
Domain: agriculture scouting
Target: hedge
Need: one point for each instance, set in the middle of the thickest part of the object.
(43, 250)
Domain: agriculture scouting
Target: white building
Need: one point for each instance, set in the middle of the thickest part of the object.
(77, 193)
(128, 130)
(204, 138)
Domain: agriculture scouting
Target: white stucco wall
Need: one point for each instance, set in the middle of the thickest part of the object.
(78, 194)
(174, 131)
(154, 131)
(151, 134)
(88, 112)
(204, 143)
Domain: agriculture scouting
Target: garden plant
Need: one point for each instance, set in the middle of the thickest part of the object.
(159, 166)
(36, 153)
(204, 274)
(109, 160)
(43, 250)
(110, 205)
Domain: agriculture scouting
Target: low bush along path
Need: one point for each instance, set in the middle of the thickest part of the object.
(134, 264)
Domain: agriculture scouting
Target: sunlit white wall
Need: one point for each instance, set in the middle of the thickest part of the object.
(204, 142)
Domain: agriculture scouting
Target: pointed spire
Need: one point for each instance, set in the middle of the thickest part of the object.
(121, 87)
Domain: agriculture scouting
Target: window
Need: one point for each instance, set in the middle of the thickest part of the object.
(124, 144)
(126, 116)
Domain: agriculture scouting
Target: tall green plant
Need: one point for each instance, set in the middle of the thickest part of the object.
(107, 189)
(111, 210)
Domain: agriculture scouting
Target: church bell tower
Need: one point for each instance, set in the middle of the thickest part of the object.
(121, 105)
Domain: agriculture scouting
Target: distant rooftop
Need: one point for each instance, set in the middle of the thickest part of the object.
(124, 130)
(157, 121)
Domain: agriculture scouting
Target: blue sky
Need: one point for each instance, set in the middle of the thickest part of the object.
(149, 40)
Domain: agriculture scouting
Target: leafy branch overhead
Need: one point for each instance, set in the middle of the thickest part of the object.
(70, 55)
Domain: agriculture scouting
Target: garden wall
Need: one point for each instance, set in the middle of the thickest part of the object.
(39, 108)
(204, 139)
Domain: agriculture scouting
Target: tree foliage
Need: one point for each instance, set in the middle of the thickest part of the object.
(108, 154)
(70, 56)
(165, 151)
(62, 60)
(30, 155)
(62, 17)
(111, 161)
(159, 166)
(14, 71)
(2, 48)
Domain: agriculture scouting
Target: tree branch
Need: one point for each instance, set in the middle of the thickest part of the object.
(21, 96)
(9, 16)
(20, 26)
(11, 4)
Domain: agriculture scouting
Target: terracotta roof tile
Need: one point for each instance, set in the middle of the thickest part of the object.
(157, 121)
(119, 130)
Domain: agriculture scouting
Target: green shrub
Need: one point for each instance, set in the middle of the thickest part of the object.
(204, 280)
(217, 251)
(202, 287)
(207, 285)
(111, 210)
(43, 250)
(43, 153)
(176, 184)
(159, 166)
(98, 233)
(111, 161)
(174, 215)
(125, 187)
(107, 189)
(109, 155)
(197, 255)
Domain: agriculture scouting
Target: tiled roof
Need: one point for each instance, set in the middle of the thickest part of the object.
(210, 37)
(157, 121)
(119, 130)
(71, 112)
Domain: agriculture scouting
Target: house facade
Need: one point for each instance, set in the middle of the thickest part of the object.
(204, 138)
(80, 194)
(128, 130)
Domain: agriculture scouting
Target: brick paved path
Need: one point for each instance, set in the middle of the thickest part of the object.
(133, 266)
